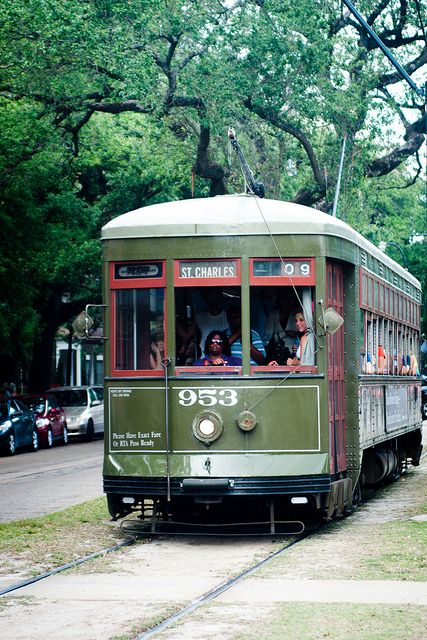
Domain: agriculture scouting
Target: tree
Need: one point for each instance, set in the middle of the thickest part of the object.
(113, 104)
(308, 70)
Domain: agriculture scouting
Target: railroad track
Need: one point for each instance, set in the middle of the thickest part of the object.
(134, 528)
(70, 565)
(217, 591)
(185, 611)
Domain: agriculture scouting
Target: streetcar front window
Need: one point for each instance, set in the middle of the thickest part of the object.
(274, 310)
(200, 311)
(139, 336)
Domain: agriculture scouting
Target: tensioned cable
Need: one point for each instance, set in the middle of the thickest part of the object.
(295, 367)
(281, 259)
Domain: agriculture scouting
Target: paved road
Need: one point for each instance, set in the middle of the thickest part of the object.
(36, 483)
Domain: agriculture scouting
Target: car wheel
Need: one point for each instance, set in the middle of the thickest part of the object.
(35, 441)
(65, 435)
(424, 410)
(49, 441)
(89, 430)
(10, 446)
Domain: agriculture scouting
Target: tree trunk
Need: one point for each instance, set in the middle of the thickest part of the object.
(41, 364)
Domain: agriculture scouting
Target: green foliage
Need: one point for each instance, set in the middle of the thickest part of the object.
(102, 108)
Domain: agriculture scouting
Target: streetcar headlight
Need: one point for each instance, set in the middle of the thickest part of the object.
(207, 427)
(246, 420)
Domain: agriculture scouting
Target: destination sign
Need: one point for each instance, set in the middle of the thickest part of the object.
(279, 268)
(138, 270)
(208, 269)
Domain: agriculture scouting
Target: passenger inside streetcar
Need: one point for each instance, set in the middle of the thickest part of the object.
(234, 333)
(157, 351)
(304, 354)
(280, 329)
(199, 311)
(217, 352)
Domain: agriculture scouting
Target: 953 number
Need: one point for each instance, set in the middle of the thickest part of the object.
(208, 397)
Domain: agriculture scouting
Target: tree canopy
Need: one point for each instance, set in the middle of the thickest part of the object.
(107, 105)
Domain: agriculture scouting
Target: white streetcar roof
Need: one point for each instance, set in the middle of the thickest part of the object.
(239, 214)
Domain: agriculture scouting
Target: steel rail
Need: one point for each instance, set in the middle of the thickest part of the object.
(64, 567)
(217, 591)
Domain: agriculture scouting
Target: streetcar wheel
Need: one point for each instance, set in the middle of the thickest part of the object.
(49, 441)
(89, 430)
(35, 441)
(65, 435)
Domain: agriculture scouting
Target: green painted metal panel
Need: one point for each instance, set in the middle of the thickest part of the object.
(289, 424)
(221, 465)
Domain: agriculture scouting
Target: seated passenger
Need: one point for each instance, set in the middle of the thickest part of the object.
(215, 318)
(281, 320)
(185, 343)
(217, 352)
(157, 349)
(305, 351)
(282, 345)
(234, 334)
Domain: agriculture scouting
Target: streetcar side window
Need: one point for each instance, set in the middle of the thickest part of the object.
(390, 333)
(139, 329)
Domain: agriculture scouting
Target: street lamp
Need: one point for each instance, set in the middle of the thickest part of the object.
(383, 245)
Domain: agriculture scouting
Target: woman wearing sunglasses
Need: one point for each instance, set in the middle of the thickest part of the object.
(217, 352)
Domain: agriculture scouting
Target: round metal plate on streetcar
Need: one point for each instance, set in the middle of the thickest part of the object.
(207, 426)
(247, 420)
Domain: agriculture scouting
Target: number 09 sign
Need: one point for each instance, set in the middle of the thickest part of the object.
(298, 271)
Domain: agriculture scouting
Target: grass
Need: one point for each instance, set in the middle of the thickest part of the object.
(396, 552)
(140, 627)
(28, 547)
(307, 621)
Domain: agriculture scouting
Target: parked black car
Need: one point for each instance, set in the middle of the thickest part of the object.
(17, 427)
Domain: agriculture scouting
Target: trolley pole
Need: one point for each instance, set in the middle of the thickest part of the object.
(421, 91)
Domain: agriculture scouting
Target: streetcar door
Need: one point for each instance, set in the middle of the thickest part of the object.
(335, 348)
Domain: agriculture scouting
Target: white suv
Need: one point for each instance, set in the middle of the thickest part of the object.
(84, 409)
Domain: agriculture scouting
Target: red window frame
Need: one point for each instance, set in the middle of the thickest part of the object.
(227, 281)
(137, 283)
(134, 283)
(284, 280)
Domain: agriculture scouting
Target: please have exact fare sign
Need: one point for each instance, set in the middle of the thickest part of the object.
(137, 439)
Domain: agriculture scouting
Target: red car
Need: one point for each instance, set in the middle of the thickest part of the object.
(50, 418)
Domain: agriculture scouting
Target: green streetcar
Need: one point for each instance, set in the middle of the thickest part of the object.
(278, 428)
